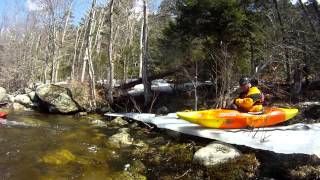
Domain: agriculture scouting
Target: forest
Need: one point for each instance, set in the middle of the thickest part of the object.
(207, 40)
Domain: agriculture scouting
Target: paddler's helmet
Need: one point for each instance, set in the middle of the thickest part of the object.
(244, 81)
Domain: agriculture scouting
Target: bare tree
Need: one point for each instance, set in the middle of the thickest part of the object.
(88, 39)
(141, 49)
(63, 35)
(110, 55)
(88, 54)
(146, 83)
(284, 40)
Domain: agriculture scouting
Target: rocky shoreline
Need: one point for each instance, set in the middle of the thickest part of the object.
(180, 156)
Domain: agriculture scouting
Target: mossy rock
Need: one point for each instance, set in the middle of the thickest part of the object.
(125, 175)
(137, 167)
(181, 153)
(175, 154)
(56, 99)
(59, 157)
(305, 172)
(243, 167)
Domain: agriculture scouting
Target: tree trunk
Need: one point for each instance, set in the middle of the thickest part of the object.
(82, 45)
(88, 54)
(111, 62)
(141, 49)
(88, 40)
(252, 58)
(53, 52)
(146, 83)
(75, 54)
(284, 40)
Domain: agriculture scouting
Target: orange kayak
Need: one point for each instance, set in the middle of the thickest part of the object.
(3, 114)
(231, 119)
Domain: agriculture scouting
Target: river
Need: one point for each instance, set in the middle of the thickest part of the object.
(41, 146)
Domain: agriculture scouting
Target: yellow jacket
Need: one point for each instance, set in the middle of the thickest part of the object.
(252, 100)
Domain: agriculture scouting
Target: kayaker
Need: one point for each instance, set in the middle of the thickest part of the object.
(251, 98)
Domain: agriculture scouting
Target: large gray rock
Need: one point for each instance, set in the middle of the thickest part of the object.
(56, 99)
(8, 99)
(215, 153)
(3, 93)
(18, 107)
(24, 99)
(32, 96)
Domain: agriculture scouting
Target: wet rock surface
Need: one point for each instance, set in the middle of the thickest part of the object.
(56, 99)
(215, 153)
(59, 157)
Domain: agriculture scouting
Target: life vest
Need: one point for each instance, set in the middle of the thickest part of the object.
(251, 101)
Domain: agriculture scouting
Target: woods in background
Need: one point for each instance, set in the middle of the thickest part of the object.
(220, 40)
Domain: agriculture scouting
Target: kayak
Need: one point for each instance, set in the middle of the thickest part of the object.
(3, 114)
(232, 119)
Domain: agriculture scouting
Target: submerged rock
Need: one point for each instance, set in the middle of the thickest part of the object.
(118, 122)
(215, 153)
(137, 167)
(98, 123)
(123, 138)
(125, 175)
(56, 99)
(59, 157)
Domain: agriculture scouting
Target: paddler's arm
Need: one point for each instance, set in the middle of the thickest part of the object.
(244, 103)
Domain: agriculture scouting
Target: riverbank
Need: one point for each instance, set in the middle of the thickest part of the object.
(99, 148)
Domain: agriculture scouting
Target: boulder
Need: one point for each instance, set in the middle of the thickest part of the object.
(56, 99)
(80, 92)
(215, 153)
(27, 90)
(32, 96)
(18, 107)
(24, 99)
(8, 99)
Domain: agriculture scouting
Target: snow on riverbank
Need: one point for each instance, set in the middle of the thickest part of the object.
(296, 138)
